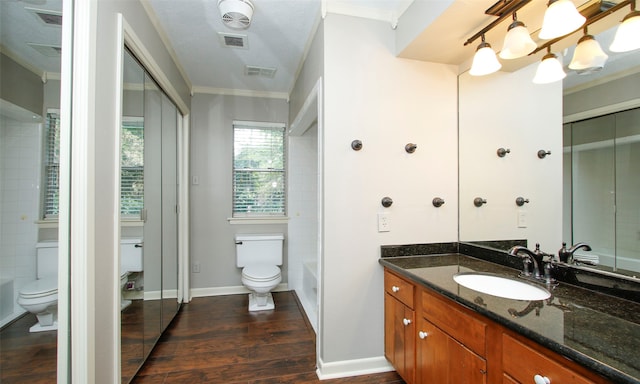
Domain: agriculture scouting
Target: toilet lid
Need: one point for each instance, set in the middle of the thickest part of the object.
(41, 287)
(261, 272)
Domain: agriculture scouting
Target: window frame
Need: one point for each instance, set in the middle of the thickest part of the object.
(240, 215)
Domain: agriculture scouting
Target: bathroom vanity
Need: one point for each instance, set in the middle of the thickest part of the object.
(437, 331)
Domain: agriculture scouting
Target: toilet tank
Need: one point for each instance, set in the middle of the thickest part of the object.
(251, 249)
(130, 255)
(46, 259)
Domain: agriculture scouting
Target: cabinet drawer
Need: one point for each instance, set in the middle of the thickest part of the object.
(399, 288)
(522, 363)
(461, 326)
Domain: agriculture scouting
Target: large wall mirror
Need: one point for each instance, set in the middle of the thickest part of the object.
(585, 190)
(149, 190)
(30, 132)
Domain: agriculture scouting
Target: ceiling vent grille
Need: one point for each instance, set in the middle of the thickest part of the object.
(46, 50)
(233, 40)
(46, 16)
(252, 70)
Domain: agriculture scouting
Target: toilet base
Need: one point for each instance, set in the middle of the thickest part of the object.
(124, 304)
(37, 327)
(264, 303)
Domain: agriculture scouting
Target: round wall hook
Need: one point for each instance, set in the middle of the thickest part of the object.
(411, 147)
(437, 202)
(356, 145)
(520, 201)
(386, 201)
(503, 152)
(542, 153)
(479, 201)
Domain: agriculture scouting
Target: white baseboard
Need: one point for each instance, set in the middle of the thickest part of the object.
(232, 290)
(348, 368)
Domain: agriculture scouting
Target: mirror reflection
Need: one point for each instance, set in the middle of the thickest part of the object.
(29, 174)
(149, 192)
(588, 182)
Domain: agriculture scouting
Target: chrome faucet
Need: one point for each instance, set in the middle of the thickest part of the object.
(566, 255)
(530, 257)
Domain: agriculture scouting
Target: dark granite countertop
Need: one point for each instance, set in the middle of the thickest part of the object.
(598, 331)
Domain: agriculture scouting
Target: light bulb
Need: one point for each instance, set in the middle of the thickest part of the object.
(628, 34)
(517, 42)
(484, 61)
(549, 70)
(560, 18)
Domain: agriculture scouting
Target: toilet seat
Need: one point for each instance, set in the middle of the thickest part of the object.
(40, 288)
(261, 272)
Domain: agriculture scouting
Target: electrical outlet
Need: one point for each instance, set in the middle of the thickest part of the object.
(195, 267)
(522, 219)
(384, 222)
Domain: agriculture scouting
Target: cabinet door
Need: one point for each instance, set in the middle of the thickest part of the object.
(441, 359)
(399, 339)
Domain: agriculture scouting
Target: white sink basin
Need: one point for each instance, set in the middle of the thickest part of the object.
(501, 286)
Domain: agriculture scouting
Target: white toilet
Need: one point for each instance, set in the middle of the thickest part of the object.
(40, 297)
(260, 256)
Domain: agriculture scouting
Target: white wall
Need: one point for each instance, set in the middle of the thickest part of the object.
(386, 102)
(303, 219)
(507, 110)
(212, 237)
(20, 167)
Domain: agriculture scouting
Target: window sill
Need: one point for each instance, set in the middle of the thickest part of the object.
(53, 224)
(257, 220)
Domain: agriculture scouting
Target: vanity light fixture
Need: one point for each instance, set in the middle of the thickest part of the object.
(627, 36)
(485, 61)
(560, 18)
(517, 42)
(549, 70)
(588, 56)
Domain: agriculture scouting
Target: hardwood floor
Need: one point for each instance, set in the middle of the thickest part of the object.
(216, 340)
(27, 357)
(212, 340)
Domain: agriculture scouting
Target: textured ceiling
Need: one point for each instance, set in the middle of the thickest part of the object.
(281, 31)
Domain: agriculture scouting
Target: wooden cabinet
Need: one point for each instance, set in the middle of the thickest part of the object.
(399, 325)
(432, 339)
(521, 363)
(442, 359)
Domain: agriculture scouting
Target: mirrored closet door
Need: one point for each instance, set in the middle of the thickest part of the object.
(150, 221)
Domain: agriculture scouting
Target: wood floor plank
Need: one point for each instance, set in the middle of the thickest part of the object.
(216, 340)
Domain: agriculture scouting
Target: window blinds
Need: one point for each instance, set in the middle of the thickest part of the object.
(258, 169)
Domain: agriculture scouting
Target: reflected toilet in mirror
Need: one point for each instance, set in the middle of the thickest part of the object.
(40, 297)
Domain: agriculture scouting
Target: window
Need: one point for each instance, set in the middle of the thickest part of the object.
(51, 165)
(132, 167)
(131, 172)
(258, 169)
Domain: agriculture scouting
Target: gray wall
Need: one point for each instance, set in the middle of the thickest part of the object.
(100, 181)
(312, 69)
(610, 93)
(20, 86)
(212, 237)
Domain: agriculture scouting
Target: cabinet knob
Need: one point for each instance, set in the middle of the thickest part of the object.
(538, 379)
(406, 321)
(395, 289)
(422, 334)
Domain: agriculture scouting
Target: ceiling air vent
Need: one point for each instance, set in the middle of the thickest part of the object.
(46, 50)
(47, 16)
(232, 40)
(252, 70)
